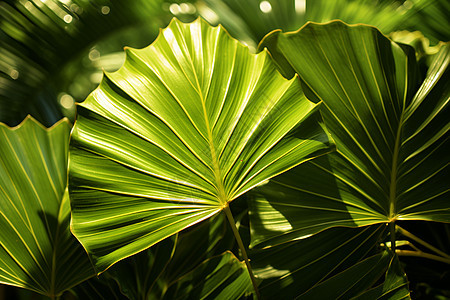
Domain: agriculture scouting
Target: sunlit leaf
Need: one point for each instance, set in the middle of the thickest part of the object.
(37, 251)
(187, 125)
(425, 53)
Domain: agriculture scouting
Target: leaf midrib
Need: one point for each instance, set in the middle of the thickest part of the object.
(394, 171)
(398, 144)
(222, 196)
(216, 168)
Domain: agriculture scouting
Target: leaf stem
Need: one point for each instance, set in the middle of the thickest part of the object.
(54, 297)
(392, 231)
(423, 255)
(242, 248)
(422, 242)
(413, 246)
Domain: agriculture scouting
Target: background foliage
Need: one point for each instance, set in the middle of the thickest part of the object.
(52, 54)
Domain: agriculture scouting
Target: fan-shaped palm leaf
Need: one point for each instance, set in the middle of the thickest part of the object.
(187, 125)
(391, 134)
(299, 266)
(349, 283)
(37, 251)
(221, 277)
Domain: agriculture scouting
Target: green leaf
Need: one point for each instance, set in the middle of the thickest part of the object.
(139, 276)
(297, 266)
(148, 274)
(391, 135)
(395, 285)
(198, 243)
(221, 277)
(357, 278)
(354, 281)
(187, 125)
(418, 41)
(98, 288)
(425, 53)
(37, 251)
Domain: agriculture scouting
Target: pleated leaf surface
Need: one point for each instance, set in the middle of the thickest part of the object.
(390, 127)
(37, 250)
(360, 277)
(184, 127)
(220, 277)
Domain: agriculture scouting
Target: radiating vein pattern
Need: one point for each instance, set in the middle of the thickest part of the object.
(184, 127)
(391, 133)
(281, 268)
(220, 277)
(37, 251)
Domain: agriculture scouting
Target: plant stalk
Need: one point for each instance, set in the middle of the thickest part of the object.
(422, 242)
(392, 231)
(413, 246)
(54, 297)
(423, 255)
(242, 248)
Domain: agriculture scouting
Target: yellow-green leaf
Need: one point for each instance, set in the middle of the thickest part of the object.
(37, 250)
(186, 126)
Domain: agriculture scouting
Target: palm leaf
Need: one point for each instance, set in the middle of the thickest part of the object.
(349, 283)
(37, 251)
(391, 161)
(187, 125)
(395, 285)
(221, 277)
(98, 288)
(148, 274)
(299, 266)
(197, 244)
(141, 276)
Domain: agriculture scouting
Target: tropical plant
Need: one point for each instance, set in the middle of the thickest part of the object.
(208, 122)
(37, 250)
(312, 169)
(391, 134)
